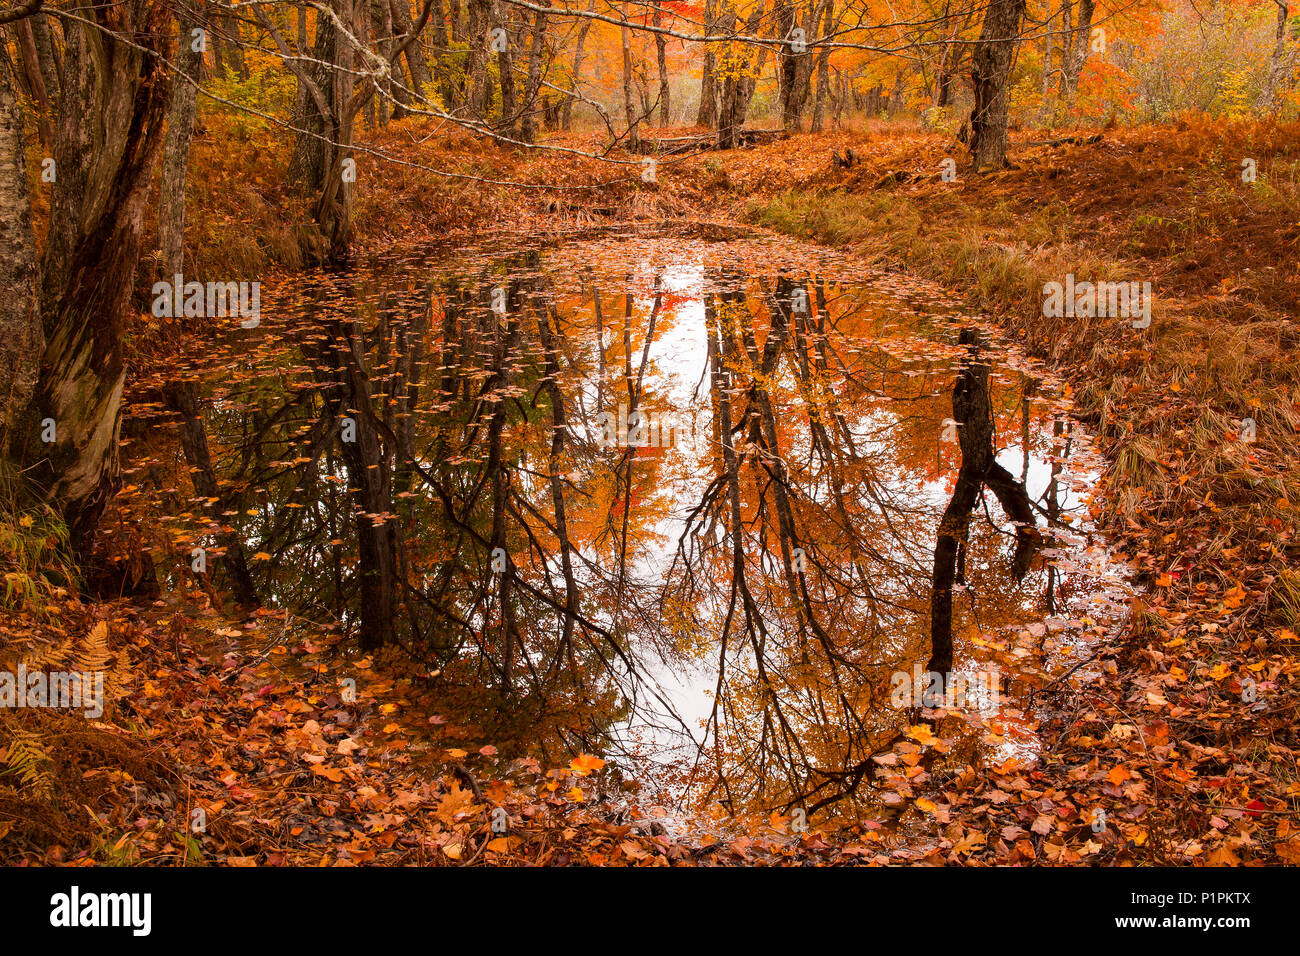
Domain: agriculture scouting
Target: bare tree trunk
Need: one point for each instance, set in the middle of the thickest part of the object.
(994, 54)
(1047, 60)
(416, 62)
(629, 107)
(738, 89)
(506, 73)
(35, 79)
(233, 30)
(1076, 47)
(176, 151)
(1280, 64)
(795, 68)
(476, 34)
(310, 156)
(953, 52)
(661, 55)
(566, 121)
(112, 112)
(708, 113)
(48, 56)
(823, 71)
(375, 18)
(528, 128)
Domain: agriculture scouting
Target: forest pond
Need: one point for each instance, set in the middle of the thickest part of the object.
(670, 501)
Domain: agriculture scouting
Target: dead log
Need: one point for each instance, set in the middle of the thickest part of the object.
(1068, 141)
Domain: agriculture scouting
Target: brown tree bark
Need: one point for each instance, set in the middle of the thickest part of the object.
(796, 67)
(822, 93)
(629, 105)
(528, 125)
(476, 34)
(566, 120)
(1076, 45)
(109, 136)
(708, 112)
(21, 336)
(416, 63)
(509, 124)
(661, 57)
(176, 151)
(994, 55)
(738, 89)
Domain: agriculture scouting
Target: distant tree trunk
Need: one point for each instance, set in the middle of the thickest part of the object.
(506, 73)
(1280, 66)
(232, 26)
(953, 52)
(36, 78)
(111, 113)
(566, 121)
(528, 129)
(1047, 61)
(738, 88)
(708, 113)
(823, 71)
(416, 63)
(994, 53)
(795, 69)
(661, 55)
(476, 34)
(1076, 45)
(629, 106)
(375, 18)
(21, 337)
(176, 151)
(309, 160)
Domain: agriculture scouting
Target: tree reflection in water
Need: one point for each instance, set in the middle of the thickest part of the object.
(427, 462)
